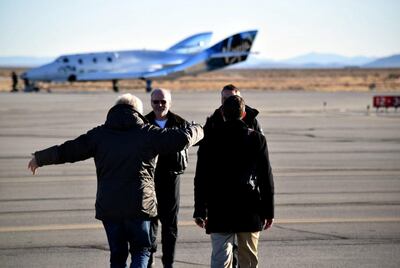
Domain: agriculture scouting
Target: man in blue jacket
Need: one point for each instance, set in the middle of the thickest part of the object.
(124, 149)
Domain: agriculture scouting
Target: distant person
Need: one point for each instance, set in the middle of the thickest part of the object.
(14, 79)
(124, 149)
(234, 188)
(167, 176)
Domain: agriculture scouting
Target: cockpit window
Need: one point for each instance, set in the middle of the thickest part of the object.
(65, 60)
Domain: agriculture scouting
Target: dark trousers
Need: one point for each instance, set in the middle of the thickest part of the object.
(134, 233)
(168, 193)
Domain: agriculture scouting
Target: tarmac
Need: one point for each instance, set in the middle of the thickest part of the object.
(336, 166)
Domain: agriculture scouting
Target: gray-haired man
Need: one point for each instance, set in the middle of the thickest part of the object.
(124, 149)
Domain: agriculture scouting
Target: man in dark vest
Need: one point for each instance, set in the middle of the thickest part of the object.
(167, 177)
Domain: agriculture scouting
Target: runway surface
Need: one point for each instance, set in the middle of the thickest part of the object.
(336, 167)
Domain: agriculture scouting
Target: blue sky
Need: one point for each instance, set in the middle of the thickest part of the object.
(287, 28)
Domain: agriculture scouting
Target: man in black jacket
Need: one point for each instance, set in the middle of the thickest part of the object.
(167, 177)
(234, 189)
(215, 120)
(124, 151)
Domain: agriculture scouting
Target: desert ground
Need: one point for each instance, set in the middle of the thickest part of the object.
(325, 80)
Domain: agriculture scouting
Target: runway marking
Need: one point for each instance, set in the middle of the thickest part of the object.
(96, 226)
(321, 220)
(337, 220)
(51, 227)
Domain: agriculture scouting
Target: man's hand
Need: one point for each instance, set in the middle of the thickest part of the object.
(268, 223)
(33, 165)
(200, 222)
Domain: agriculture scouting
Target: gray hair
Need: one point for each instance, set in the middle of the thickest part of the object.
(130, 99)
(166, 92)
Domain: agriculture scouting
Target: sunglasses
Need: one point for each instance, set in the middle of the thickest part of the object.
(163, 102)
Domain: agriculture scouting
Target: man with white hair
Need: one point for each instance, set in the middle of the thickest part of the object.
(167, 177)
(132, 100)
(124, 149)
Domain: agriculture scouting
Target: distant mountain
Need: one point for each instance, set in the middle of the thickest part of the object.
(387, 62)
(21, 61)
(256, 62)
(328, 59)
(310, 60)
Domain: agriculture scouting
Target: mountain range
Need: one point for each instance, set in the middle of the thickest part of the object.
(24, 61)
(310, 60)
(322, 60)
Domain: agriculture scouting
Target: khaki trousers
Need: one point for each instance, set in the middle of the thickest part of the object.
(222, 244)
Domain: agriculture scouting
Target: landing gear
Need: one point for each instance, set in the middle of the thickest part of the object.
(30, 86)
(115, 85)
(116, 88)
(148, 85)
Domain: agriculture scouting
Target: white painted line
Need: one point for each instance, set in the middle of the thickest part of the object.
(95, 226)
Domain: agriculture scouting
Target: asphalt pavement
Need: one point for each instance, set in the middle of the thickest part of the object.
(336, 165)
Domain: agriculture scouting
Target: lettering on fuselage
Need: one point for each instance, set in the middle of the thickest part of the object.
(66, 69)
(243, 46)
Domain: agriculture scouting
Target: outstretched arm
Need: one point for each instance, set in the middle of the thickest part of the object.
(70, 151)
(172, 140)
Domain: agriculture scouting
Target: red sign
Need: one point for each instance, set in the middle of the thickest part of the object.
(386, 101)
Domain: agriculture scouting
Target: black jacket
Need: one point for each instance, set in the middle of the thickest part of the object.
(124, 151)
(215, 120)
(175, 162)
(225, 189)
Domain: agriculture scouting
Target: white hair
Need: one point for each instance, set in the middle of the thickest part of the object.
(165, 92)
(130, 99)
